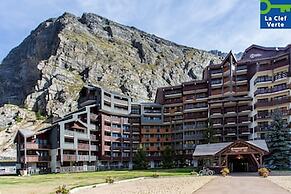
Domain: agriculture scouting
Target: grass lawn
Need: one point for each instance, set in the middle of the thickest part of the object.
(44, 184)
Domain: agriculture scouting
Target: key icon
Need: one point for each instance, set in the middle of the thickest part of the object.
(283, 7)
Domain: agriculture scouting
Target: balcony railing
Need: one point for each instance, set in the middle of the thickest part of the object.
(87, 98)
(173, 92)
(230, 131)
(244, 131)
(273, 102)
(34, 158)
(83, 157)
(68, 169)
(69, 132)
(93, 137)
(270, 90)
(83, 146)
(262, 128)
(244, 109)
(262, 80)
(35, 146)
(69, 146)
(244, 120)
(93, 158)
(69, 157)
(123, 102)
(93, 147)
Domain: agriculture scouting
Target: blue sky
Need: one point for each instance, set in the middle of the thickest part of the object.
(206, 24)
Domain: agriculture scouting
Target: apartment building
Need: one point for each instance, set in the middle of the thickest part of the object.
(229, 101)
(269, 85)
(236, 99)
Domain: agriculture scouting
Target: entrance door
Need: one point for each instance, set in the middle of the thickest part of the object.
(239, 164)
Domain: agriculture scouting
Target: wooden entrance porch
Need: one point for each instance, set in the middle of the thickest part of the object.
(238, 156)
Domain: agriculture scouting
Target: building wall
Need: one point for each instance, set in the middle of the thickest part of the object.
(236, 99)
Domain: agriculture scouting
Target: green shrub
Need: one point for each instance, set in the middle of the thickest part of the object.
(39, 116)
(62, 190)
(109, 180)
(225, 171)
(18, 119)
(156, 175)
(194, 173)
(264, 172)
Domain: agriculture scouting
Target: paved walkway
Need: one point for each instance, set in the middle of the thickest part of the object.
(241, 185)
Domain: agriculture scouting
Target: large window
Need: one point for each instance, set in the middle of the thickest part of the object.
(280, 75)
(264, 78)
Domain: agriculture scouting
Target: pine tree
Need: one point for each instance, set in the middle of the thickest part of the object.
(278, 140)
(168, 157)
(140, 160)
(208, 133)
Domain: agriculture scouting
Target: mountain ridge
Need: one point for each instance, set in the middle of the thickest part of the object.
(46, 72)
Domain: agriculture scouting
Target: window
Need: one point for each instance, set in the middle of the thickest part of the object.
(107, 94)
(216, 81)
(279, 87)
(264, 78)
(135, 110)
(280, 75)
(116, 126)
(241, 67)
(241, 78)
(116, 135)
(215, 71)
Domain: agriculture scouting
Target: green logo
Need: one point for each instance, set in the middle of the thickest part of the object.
(268, 6)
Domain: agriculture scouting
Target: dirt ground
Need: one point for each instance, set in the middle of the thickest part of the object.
(283, 181)
(241, 185)
(168, 185)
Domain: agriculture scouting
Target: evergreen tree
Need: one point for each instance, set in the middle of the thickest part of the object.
(278, 140)
(209, 133)
(140, 160)
(168, 157)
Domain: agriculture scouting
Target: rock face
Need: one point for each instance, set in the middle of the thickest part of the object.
(47, 70)
(13, 118)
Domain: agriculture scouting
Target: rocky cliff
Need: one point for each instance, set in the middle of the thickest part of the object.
(47, 70)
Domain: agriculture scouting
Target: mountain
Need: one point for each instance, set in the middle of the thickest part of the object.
(47, 70)
(223, 54)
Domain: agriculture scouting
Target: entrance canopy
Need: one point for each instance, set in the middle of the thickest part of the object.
(234, 154)
(216, 148)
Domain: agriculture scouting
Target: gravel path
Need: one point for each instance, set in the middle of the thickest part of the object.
(162, 185)
(241, 185)
(283, 181)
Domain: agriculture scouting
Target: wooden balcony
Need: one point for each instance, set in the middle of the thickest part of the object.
(280, 63)
(83, 146)
(68, 169)
(273, 102)
(93, 137)
(262, 129)
(244, 131)
(69, 157)
(270, 90)
(107, 148)
(83, 157)
(93, 147)
(35, 146)
(35, 158)
(218, 132)
(122, 102)
(244, 120)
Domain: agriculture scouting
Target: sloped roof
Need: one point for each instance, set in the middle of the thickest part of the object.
(209, 149)
(212, 149)
(260, 144)
(26, 132)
